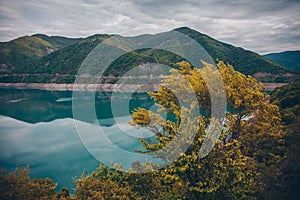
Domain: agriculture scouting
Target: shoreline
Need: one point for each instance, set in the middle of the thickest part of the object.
(101, 87)
(83, 87)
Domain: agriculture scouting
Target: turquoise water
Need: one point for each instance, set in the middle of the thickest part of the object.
(37, 128)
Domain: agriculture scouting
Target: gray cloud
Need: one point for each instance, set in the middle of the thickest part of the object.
(261, 26)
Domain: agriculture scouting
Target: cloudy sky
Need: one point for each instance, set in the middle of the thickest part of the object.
(261, 26)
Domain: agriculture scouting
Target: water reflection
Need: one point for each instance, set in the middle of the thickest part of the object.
(35, 106)
(36, 128)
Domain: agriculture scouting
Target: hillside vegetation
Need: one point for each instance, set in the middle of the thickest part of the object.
(43, 59)
(288, 99)
(243, 60)
(23, 52)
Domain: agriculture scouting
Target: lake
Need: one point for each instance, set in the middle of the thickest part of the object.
(37, 128)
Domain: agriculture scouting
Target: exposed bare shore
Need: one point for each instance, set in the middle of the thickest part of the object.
(83, 87)
(272, 86)
(101, 87)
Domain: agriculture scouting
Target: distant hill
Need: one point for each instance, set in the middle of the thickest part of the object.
(57, 59)
(243, 60)
(18, 54)
(22, 52)
(289, 59)
(67, 60)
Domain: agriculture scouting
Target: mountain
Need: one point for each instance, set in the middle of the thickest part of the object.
(25, 51)
(67, 60)
(289, 59)
(59, 58)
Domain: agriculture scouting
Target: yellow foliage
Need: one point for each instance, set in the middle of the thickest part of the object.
(252, 130)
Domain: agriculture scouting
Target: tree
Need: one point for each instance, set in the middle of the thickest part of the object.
(103, 184)
(18, 185)
(249, 149)
(288, 99)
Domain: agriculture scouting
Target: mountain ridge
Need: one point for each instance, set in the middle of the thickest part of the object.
(229, 49)
(289, 59)
(62, 57)
(58, 41)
